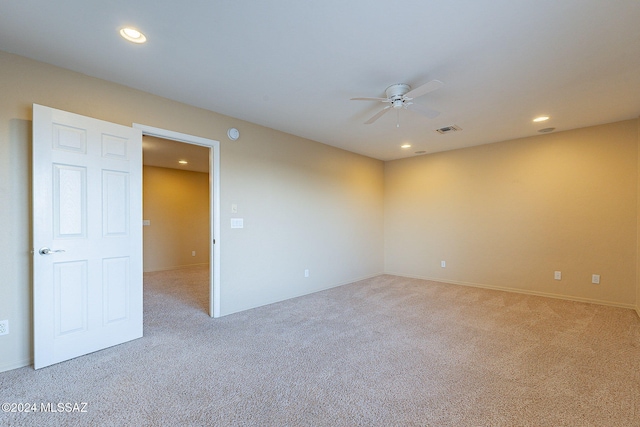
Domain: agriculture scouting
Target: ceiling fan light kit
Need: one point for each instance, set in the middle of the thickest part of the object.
(400, 96)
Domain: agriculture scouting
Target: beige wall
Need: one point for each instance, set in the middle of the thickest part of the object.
(304, 204)
(509, 214)
(176, 202)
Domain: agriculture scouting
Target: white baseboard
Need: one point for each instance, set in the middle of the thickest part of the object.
(15, 365)
(525, 291)
(301, 294)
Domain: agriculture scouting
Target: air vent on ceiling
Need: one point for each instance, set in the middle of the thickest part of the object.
(449, 129)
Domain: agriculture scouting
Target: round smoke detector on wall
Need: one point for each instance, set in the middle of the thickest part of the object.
(233, 134)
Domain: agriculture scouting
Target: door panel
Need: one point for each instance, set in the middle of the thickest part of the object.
(87, 210)
(115, 203)
(116, 288)
(69, 201)
(70, 305)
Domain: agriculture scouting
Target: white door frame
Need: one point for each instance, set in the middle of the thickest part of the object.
(214, 204)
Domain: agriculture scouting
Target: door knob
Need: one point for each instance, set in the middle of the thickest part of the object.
(47, 251)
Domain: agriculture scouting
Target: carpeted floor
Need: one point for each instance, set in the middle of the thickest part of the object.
(387, 351)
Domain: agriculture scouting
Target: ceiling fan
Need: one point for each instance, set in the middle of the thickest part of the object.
(400, 95)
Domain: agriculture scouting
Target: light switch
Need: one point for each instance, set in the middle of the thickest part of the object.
(146, 222)
(237, 223)
(234, 208)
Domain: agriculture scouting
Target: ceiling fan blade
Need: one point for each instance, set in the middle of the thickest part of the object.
(378, 115)
(370, 99)
(425, 111)
(424, 89)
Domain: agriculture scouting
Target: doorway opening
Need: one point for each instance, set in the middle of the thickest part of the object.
(163, 149)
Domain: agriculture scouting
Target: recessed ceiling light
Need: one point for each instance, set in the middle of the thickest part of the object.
(133, 35)
(546, 130)
(183, 162)
(405, 146)
(541, 119)
(420, 152)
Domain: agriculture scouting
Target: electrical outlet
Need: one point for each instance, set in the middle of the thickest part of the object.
(557, 275)
(193, 253)
(4, 327)
(443, 264)
(595, 279)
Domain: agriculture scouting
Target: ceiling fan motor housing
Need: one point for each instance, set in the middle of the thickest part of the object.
(397, 90)
(395, 93)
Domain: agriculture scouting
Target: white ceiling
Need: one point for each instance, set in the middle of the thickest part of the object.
(293, 65)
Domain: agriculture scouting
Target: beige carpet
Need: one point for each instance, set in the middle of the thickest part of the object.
(387, 351)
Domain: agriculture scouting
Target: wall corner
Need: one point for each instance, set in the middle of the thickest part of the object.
(638, 224)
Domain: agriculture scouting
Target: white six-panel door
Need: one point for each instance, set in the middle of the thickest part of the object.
(87, 235)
